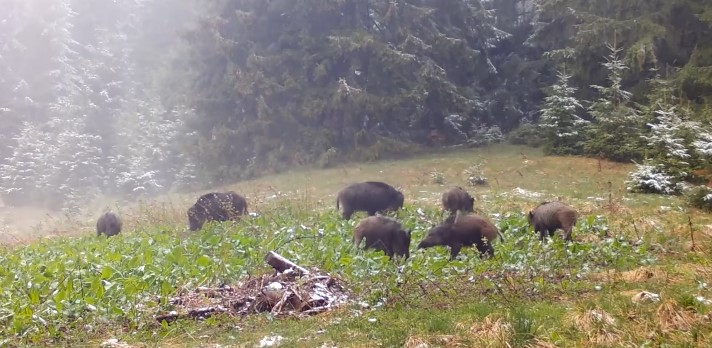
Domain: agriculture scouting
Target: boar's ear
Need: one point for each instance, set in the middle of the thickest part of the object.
(531, 213)
(409, 232)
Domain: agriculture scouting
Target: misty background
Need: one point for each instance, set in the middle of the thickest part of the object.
(133, 98)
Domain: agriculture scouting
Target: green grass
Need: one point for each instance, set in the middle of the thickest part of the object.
(77, 289)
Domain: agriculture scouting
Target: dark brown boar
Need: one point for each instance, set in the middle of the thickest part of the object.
(456, 199)
(383, 233)
(216, 206)
(108, 224)
(463, 230)
(369, 196)
(550, 216)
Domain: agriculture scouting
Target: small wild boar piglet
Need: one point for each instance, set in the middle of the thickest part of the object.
(463, 230)
(456, 199)
(383, 233)
(550, 216)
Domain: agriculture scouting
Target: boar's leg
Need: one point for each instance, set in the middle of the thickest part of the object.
(485, 249)
(568, 232)
(454, 250)
(543, 233)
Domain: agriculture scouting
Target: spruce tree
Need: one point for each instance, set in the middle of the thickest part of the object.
(267, 79)
(25, 175)
(615, 133)
(563, 128)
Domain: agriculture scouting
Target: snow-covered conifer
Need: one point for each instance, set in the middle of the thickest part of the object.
(559, 118)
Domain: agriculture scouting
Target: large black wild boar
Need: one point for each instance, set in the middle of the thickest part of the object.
(216, 206)
(550, 216)
(463, 230)
(108, 224)
(369, 196)
(383, 233)
(456, 199)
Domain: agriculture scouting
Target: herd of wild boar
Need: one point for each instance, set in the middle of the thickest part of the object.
(462, 228)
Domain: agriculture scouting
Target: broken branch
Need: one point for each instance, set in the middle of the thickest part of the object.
(281, 264)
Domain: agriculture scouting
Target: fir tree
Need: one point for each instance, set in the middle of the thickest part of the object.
(703, 144)
(76, 169)
(616, 130)
(267, 95)
(563, 128)
(26, 174)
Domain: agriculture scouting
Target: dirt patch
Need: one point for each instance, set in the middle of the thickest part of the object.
(281, 294)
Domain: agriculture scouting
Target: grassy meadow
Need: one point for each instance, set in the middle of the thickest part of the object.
(62, 286)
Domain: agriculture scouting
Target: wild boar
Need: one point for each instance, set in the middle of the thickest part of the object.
(216, 206)
(369, 196)
(550, 216)
(463, 230)
(456, 199)
(109, 224)
(383, 233)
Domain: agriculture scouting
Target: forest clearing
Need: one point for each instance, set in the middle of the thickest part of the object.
(637, 272)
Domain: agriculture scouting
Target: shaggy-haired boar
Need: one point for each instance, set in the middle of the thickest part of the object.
(463, 230)
(108, 224)
(456, 199)
(369, 196)
(383, 233)
(216, 206)
(550, 216)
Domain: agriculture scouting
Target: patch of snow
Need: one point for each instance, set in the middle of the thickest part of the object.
(645, 296)
(526, 193)
(270, 341)
(703, 300)
(274, 286)
(113, 343)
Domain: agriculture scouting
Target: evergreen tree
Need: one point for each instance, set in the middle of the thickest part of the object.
(703, 145)
(269, 81)
(26, 175)
(670, 145)
(563, 128)
(76, 171)
(616, 132)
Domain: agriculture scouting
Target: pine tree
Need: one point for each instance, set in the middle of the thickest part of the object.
(267, 91)
(26, 174)
(703, 145)
(670, 157)
(616, 132)
(76, 169)
(563, 128)
(669, 141)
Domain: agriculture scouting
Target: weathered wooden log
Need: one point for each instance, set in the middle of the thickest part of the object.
(281, 264)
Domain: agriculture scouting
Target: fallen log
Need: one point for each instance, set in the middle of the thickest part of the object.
(281, 264)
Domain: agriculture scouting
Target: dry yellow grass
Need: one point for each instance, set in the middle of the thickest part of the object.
(427, 341)
(642, 274)
(599, 326)
(671, 316)
(490, 332)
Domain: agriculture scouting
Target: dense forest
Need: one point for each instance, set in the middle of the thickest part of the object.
(136, 97)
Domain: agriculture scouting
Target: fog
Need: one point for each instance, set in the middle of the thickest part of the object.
(84, 111)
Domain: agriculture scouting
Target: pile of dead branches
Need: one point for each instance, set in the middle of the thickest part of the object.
(293, 290)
